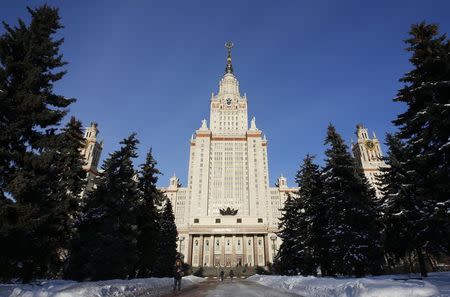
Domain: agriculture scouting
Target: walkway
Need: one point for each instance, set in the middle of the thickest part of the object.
(242, 288)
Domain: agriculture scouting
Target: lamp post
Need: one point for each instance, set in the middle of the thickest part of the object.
(181, 240)
(273, 238)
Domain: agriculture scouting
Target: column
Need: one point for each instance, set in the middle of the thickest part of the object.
(255, 250)
(222, 256)
(189, 255)
(244, 250)
(200, 252)
(266, 248)
(233, 251)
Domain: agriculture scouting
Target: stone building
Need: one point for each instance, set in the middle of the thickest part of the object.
(228, 214)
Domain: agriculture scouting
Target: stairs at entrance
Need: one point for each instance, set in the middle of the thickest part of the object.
(215, 271)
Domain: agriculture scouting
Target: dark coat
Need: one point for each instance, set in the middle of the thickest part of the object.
(178, 272)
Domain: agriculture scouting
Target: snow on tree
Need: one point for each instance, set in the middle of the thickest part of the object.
(425, 129)
(352, 229)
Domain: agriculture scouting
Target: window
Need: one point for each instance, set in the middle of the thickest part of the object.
(239, 220)
(217, 221)
(196, 221)
(260, 220)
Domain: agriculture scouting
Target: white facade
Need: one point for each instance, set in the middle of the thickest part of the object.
(228, 168)
(368, 155)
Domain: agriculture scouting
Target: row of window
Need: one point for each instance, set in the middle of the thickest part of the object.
(218, 221)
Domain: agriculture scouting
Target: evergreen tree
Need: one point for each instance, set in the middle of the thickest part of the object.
(312, 218)
(148, 223)
(29, 113)
(403, 221)
(167, 243)
(65, 180)
(352, 227)
(425, 129)
(302, 224)
(287, 260)
(106, 244)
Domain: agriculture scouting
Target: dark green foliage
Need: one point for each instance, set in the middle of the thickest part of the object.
(312, 218)
(303, 224)
(287, 261)
(167, 244)
(403, 219)
(106, 244)
(352, 228)
(147, 217)
(425, 130)
(34, 210)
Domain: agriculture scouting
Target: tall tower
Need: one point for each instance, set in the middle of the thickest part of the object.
(368, 155)
(91, 153)
(228, 215)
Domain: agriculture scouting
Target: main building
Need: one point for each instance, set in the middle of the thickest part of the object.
(228, 214)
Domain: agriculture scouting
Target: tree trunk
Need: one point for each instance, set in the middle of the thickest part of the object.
(432, 263)
(420, 257)
(27, 272)
(411, 264)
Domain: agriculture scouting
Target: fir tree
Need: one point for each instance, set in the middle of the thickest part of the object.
(65, 180)
(29, 113)
(312, 218)
(425, 129)
(287, 259)
(106, 244)
(148, 224)
(402, 211)
(167, 244)
(352, 227)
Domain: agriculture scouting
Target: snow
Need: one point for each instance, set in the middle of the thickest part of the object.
(437, 284)
(61, 288)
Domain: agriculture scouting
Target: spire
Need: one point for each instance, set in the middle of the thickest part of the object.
(229, 68)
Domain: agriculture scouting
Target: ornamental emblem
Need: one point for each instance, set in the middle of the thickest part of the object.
(228, 211)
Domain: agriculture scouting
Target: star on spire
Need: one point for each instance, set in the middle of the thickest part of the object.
(229, 69)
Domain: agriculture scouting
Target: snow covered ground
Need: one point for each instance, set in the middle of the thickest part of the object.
(437, 284)
(59, 288)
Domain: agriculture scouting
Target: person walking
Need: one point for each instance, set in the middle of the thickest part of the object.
(177, 275)
(222, 274)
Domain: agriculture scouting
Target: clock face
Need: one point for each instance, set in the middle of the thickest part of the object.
(370, 145)
(228, 101)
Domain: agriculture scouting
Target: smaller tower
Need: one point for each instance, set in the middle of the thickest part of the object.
(282, 182)
(174, 182)
(91, 152)
(368, 155)
(92, 148)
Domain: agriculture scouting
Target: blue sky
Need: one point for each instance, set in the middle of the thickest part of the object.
(150, 67)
